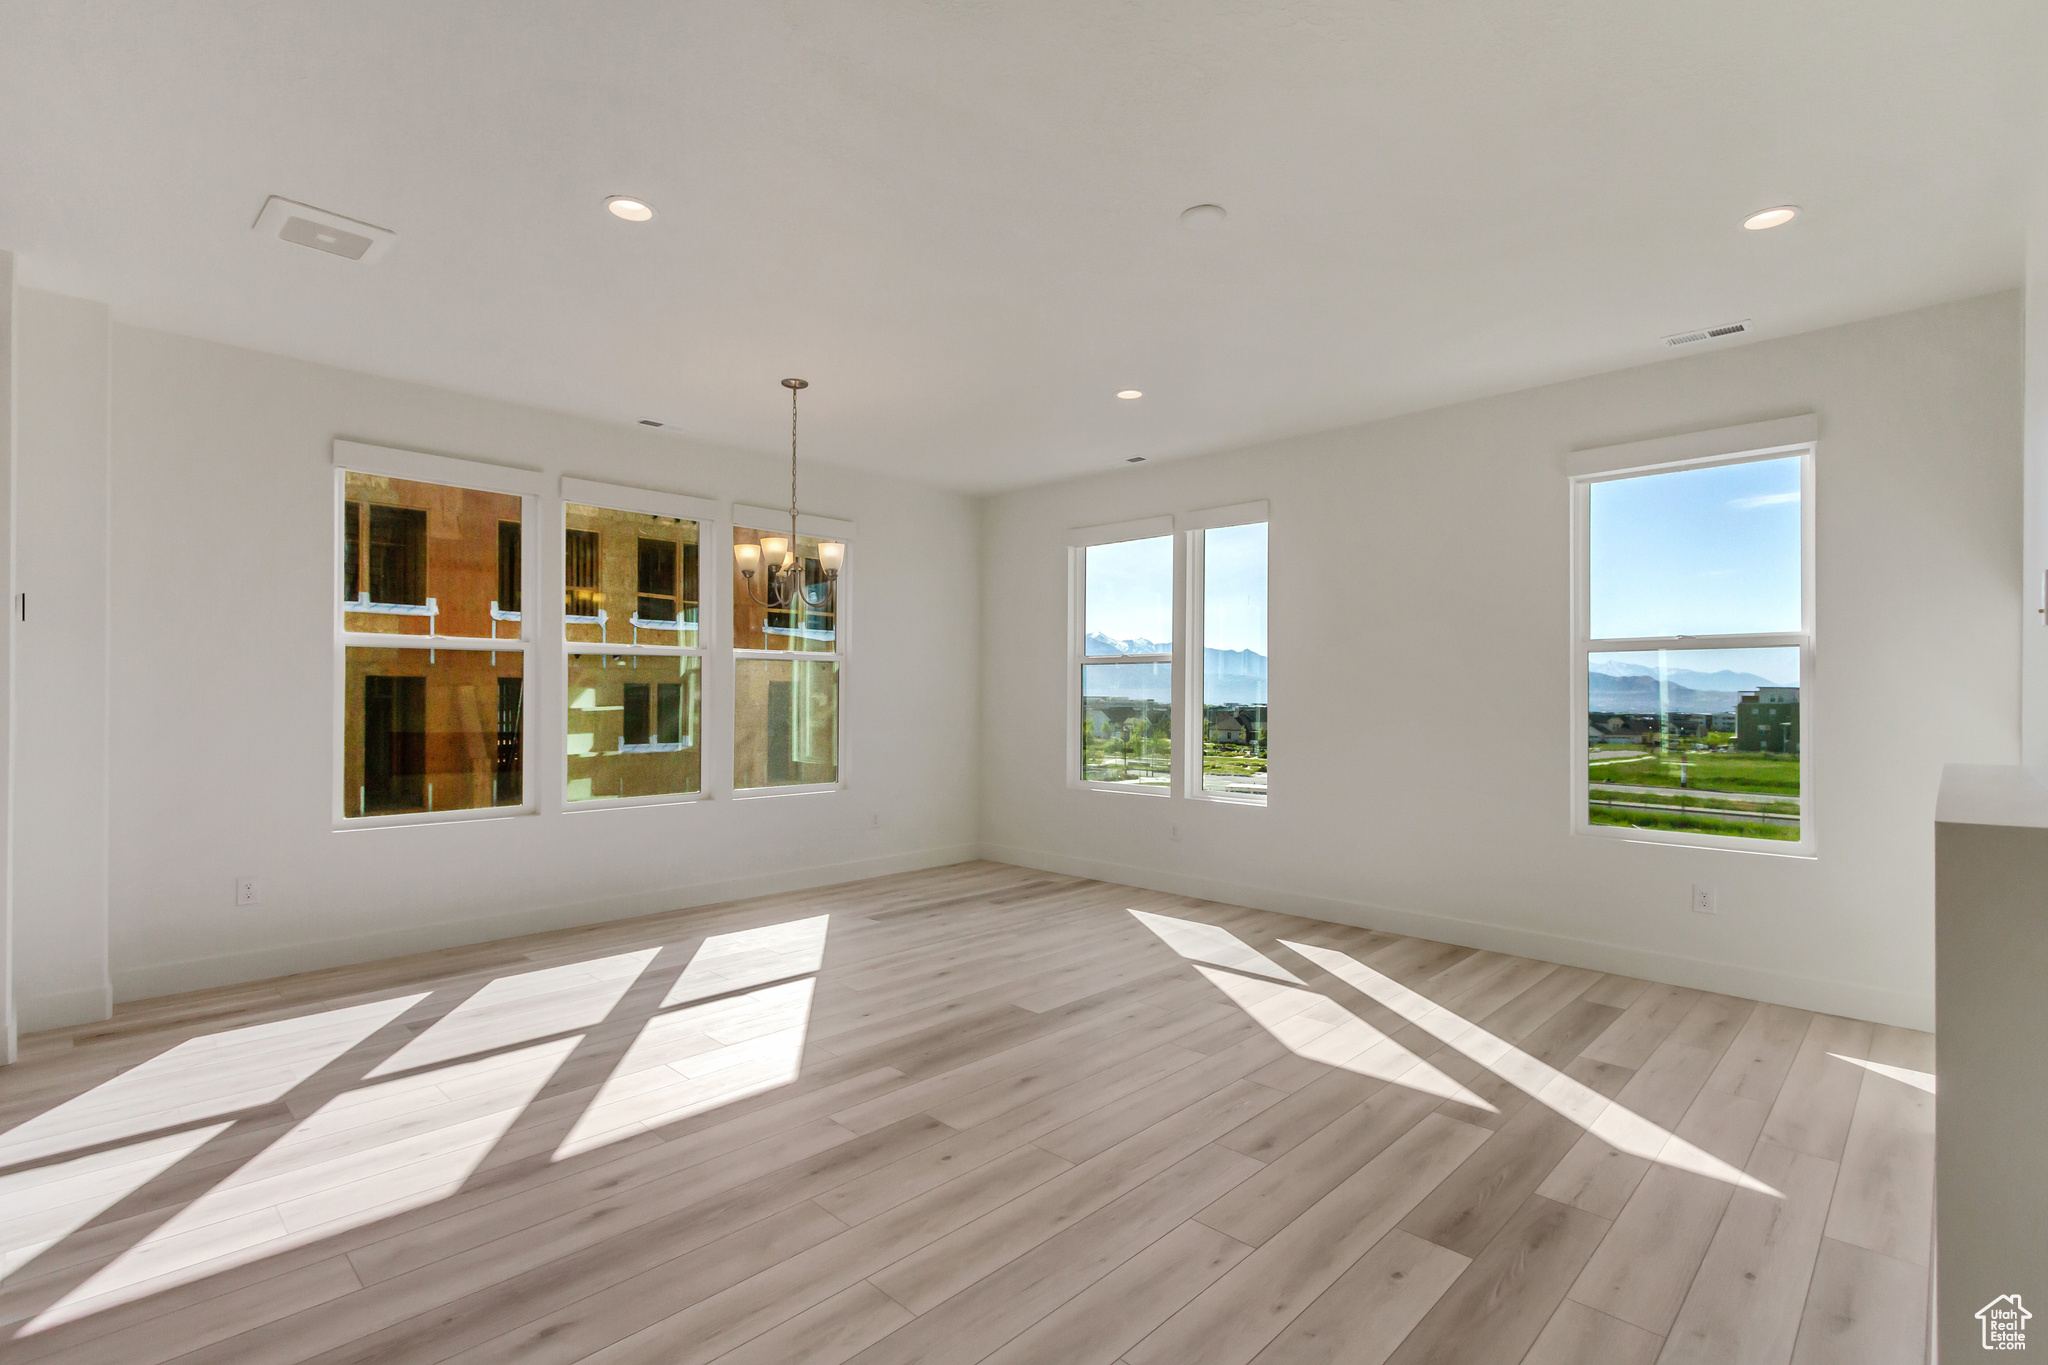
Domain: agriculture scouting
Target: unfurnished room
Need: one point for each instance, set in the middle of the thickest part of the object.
(1238, 682)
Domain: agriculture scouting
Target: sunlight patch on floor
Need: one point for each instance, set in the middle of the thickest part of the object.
(42, 1205)
(362, 1156)
(1199, 942)
(752, 957)
(520, 1008)
(201, 1078)
(1318, 1028)
(697, 1058)
(1614, 1124)
(1919, 1080)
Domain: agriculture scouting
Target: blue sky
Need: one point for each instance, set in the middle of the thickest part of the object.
(1234, 606)
(1711, 551)
(1130, 589)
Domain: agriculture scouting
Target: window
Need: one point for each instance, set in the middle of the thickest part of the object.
(398, 555)
(430, 690)
(1125, 658)
(635, 681)
(583, 599)
(1227, 566)
(664, 564)
(506, 608)
(1695, 651)
(786, 672)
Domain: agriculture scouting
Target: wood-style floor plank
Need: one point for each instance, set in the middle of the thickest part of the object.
(994, 1115)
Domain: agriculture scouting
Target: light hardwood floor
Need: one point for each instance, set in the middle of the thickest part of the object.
(971, 1114)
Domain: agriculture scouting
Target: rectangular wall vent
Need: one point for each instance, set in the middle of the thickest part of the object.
(1726, 329)
(304, 225)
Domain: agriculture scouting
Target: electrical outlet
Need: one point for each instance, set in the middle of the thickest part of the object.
(1173, 834)
(1703, 902)
(874, 821)
(246, 891)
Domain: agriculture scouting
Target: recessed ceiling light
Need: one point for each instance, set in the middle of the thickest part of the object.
(1130, 393)
(1134, 459)
(632, 210)
(1770, 218)
(1203, 215)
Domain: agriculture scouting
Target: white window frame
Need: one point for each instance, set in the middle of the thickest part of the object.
(1194, 644)
(650, 502)
(1773, 440)
(818, 528)
(1078, 543)
(388, 462)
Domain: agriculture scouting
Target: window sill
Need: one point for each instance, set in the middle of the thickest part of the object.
(1228, 799)
(1133, 788)
(603, 803)
(1802, 850)
(812, 789)
(408, 819)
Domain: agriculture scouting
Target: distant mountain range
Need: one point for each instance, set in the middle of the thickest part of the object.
(1639, 694)
(1612, 685)
(1724, 680)
(1237, 677)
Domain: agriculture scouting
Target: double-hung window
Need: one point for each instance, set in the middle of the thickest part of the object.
(1694, 655)
(633, 635)
(1122, 657)
(430, 663)
(787, 659)
(1226, 630)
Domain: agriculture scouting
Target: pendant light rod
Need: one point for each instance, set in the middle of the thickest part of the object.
(793, 385)
(783, 585)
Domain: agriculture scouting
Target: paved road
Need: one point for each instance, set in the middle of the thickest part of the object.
(1694, 791)
(1694, 811)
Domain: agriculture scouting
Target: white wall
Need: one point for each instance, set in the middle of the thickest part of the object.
(2034, 572)
(222, 530)
(1421, 665)
(8, 1012)
(60, 864)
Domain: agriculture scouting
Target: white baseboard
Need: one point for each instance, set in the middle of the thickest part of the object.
(1822, 994)
(173, 978)
(87, 1005)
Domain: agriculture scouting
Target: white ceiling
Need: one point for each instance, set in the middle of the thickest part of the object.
(959, 218)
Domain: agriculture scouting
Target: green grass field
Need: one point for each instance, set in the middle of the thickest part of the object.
(1694, 824)
(1719, 790)
(1772, 774)
(1231, 760)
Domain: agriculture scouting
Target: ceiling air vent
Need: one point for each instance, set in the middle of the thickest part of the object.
(1726, 329)
(304, 225)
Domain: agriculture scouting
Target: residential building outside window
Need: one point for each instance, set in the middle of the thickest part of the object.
(786, 674)
(1227, 620)
(635, 666)
(1695, 650)
(430, 692)
(1125, 659)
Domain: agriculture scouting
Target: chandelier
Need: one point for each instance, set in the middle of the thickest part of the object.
(783, 586)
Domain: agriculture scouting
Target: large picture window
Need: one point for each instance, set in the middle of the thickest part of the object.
(632, 633)
(1125, 659)
(432, 659)
(1227, 578)
(1695, 651)
(787, 664)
